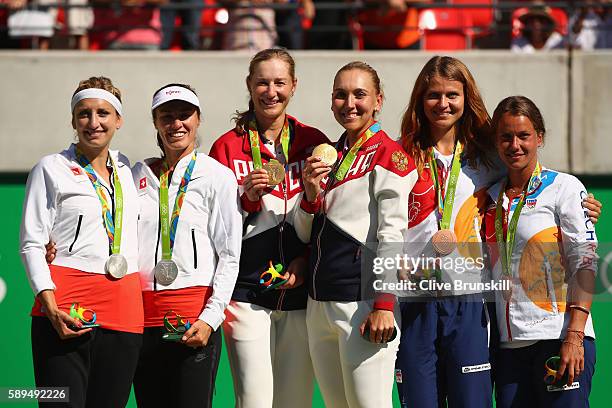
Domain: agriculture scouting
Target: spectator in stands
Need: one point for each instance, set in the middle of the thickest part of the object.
(190, 21)
(251, 26)
(78, 19)
(133, 26)
(33, 23)
(592, 27)
(391, 25)
(330, 29)
(6, 39)
(290, 23)
(538, 32)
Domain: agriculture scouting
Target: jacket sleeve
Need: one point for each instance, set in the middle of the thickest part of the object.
(391, 192)
(306, 210)
(225, 231)
(578, 232)
(220, 152)
(39, 211)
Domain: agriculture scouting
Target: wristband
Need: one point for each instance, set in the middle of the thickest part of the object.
(579, 333)
(579, 345)
(581, 308)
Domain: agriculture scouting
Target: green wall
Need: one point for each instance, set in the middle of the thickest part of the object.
(16, 367)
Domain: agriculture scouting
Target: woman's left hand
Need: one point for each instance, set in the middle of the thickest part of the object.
(572, 358)
(593, 207)
(295, 273)
(381, 324)
(197, 335)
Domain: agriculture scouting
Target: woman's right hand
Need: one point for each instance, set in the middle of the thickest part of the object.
(313, 173)
(65, 326)
(51, 251)
(255, 184)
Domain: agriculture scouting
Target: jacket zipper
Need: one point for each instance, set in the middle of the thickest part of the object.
(195, 250)
(328, 187)
(316, 267)
(508, 321)
(156, 250)
(281, 230)
(76, 235)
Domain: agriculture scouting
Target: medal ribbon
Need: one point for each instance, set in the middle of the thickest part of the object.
(445, 204)
(506, 246)
(347, 161)
(254, 141)
(112, 224)
(168, 225)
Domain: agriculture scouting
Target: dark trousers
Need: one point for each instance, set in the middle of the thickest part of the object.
(330, 30)
(289, 28)
(190, 25)
(97, 367)
(171, 374)
(444, 354)
(519, 377)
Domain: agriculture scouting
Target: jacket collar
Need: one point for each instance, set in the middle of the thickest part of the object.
(297, 141)
(114, 154)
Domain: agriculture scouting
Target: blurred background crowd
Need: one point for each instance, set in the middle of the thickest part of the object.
(177, 25)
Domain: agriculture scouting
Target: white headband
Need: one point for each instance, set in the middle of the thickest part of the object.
(173, 93)
(96, 93)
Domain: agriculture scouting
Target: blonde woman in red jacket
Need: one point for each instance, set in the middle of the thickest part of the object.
(265, 329)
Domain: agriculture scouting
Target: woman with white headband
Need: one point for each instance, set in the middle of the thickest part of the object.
(189, 233)
(87, 319)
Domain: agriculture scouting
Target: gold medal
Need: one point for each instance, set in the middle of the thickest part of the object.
(276, 172)
(444, 241)
(326, 153)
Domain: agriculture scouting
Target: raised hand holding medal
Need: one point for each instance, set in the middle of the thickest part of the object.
(116, 265)
(274, 169)
(317, 167)
(166, 269)
(276, 172)
(327, 153)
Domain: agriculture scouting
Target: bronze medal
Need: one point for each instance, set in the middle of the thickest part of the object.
(276, 172)
(326, 153)
(444, 242)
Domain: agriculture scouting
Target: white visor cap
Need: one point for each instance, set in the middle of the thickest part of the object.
(174, 93)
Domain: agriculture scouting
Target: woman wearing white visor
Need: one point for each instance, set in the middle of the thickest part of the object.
(189, 234)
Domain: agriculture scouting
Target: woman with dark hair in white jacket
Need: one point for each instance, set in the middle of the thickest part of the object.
(189, 234)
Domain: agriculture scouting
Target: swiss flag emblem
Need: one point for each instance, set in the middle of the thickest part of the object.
(76, 171)
(143, 182)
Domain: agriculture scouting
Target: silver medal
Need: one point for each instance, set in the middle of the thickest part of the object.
(165, 272)
(116, 266)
